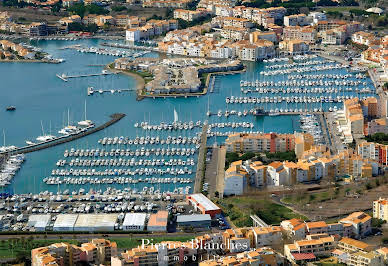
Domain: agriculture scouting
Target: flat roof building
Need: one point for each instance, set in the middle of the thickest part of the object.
(195, 220)
(202, 203)
(39, 221)
(158, 222)
(65, 222)
(134, 222)
(95, 222)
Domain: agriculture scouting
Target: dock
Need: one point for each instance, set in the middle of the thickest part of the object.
(90, 91)
(64, 139)
(200, 173)
(65, 77)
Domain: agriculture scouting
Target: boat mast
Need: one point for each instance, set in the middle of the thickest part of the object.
(85, 109)
(41, 124)
(3, 137)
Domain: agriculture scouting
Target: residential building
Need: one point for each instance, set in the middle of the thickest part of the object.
(350, 245)
(371, 258)
(188, 15)
(363, 38)
(360, 222)
(235, 181)
(375, 151)
(380, 209)
(310, 248)
(296, 20)
(267, 236)
(307, 33)
(294, 228)
(378, 125)
(269, 142)
(294, 47)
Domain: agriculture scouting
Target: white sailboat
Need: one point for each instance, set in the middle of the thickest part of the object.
(6, 148)
(175, 116)
(69, 129)
(86, 123)
(44, 137)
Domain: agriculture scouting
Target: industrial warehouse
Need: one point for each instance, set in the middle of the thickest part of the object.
(194, 211)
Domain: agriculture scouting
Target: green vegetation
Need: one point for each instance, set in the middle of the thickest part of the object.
(240, 208)
(80, 9)
(292, 4)
(183, 24)
(234, 156)
(118, 8)
(21, 247)
(269, 157)
(378, 137)
(281, 156)
(76, 26)
(327, 3)
(377, 223)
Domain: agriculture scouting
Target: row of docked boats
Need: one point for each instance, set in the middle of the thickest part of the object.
(115, 180)
(310, 124)
(299, 64)
(301, 83)
(325, 76)
(169, 126)
(149, 140)
(9, 167)
(127, 152)
(125, 162)
(323, 67)
(315, 90)
(122, 171)
(288, 99)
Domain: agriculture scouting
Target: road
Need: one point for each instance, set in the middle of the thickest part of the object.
(201, 161)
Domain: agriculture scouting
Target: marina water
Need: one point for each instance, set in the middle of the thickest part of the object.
(41, 96)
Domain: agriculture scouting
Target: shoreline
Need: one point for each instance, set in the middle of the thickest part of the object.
(27, 61)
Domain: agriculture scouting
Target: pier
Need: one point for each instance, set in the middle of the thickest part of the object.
(65, 77)
(199, 175)
(64, 139)
(90, 90)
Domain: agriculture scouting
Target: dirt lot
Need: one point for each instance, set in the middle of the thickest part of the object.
(29, 15)
(327, 204)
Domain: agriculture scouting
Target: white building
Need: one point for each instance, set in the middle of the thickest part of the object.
(95, 222)
(317, 16)
(132, 35)
(65, 222)
(38, 222)
(134, 222)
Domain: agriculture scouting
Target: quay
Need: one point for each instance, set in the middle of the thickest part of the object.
(90, 90)
(65, 77)
(134, 47)
(64, 139)
(200, 173)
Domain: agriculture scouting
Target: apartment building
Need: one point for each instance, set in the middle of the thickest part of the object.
(374, 151)
(267, 236)
(380, 209)
(98, 251)
(260, 256)
(378, 125)
(235, 181)
(294, 228)
(335, 36)
(296, 20)
(263, 35)
(371, 258)
(363, 38)
(294, 47)
(188, 15)
(360, 224)
(307, 34)
(354, 117)
(270, 142)
(310, 248)
(236, 240)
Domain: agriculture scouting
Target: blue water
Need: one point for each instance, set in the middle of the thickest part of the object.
(40, 96)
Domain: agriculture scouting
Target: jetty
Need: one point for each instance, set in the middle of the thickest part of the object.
(65, 77)
(200, 173)
(64, 139)
(90, 90)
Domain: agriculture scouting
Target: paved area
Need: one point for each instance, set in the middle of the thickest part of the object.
(334, 134)
(201, 161)
(221, 171)
(211, 173)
